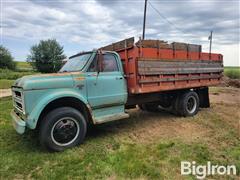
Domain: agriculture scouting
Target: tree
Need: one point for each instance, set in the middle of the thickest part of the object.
(6, 59)
(46, 56)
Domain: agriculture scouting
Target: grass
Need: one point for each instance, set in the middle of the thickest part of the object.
(111, 151)
(7, 77)
(6, 83)
(13, 75)
(232, 72)
(23, 66)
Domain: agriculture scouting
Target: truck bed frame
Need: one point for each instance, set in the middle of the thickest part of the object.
(155, 66)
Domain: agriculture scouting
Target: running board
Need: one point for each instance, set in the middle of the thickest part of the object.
(113, 117)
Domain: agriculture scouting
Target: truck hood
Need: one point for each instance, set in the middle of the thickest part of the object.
(45, 81)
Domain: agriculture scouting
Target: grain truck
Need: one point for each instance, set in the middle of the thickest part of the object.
(98, 86)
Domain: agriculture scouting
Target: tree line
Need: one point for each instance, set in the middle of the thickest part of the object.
(45, 57)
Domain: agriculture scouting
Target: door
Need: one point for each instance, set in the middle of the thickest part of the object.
(106, 85)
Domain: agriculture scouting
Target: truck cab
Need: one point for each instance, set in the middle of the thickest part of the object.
(89, 89)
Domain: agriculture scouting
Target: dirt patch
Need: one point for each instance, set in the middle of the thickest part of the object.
(230, 114)
(228, 82)
(162, 126)
(227, 95)
(234, 83)
(5, 92)
(146, 127)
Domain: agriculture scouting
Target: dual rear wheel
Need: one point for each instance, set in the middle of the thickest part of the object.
(184, 104)
(187, 104)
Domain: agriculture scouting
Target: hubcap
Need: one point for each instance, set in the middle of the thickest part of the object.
(191, 104)
(65, 131)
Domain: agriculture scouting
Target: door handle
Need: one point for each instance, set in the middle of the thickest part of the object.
(90, 75)
(119, 78)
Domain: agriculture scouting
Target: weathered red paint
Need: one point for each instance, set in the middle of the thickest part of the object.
(130, 56)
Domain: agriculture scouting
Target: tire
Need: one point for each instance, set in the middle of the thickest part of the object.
(175, 105)
(187, 104)
(62, 128)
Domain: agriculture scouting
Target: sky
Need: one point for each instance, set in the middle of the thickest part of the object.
(80, 25)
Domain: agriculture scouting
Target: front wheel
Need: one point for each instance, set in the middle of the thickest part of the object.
(62, 128)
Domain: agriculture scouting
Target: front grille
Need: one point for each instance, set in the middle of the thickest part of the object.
(17, 94)
(18, 101)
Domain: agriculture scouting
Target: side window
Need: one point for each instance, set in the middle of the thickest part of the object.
(109, 63)
(93, 65)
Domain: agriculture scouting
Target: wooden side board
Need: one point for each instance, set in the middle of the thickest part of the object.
(155, 80)
(124, 44)
(153, 67)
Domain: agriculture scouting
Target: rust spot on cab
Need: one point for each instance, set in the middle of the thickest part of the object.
(60, 74)
(80, 78)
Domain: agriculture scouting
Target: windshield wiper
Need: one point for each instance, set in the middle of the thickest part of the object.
(63, 71)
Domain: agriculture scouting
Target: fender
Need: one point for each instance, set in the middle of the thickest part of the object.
(33, 117)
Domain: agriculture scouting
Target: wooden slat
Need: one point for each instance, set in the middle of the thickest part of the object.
(178, 79)
(171, 69)
(127, 43)
(181, 71)
(177, 65)
(179, 46)
(194, 48)
(157, 60)
(160, 44)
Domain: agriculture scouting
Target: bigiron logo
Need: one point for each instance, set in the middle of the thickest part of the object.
(201, 171)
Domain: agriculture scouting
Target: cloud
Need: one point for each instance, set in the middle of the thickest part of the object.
(94, 23)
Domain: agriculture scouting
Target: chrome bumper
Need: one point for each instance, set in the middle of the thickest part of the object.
(18, 124)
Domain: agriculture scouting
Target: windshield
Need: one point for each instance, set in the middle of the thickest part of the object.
(76, 63)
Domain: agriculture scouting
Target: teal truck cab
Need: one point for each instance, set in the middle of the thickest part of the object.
(61, 105)
(98, 86)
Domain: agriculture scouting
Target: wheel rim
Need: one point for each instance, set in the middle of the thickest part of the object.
(191, 104)
(65, 131)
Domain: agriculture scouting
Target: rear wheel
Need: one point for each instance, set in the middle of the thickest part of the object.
(62, 128)
(187, 104)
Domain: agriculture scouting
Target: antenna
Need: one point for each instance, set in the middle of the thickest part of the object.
(210, 47)
(144, 19)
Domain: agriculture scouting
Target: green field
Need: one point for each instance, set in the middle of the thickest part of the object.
(23, 66)
(7, 77)
(145, 146)
(232, 72)
(6, 83)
